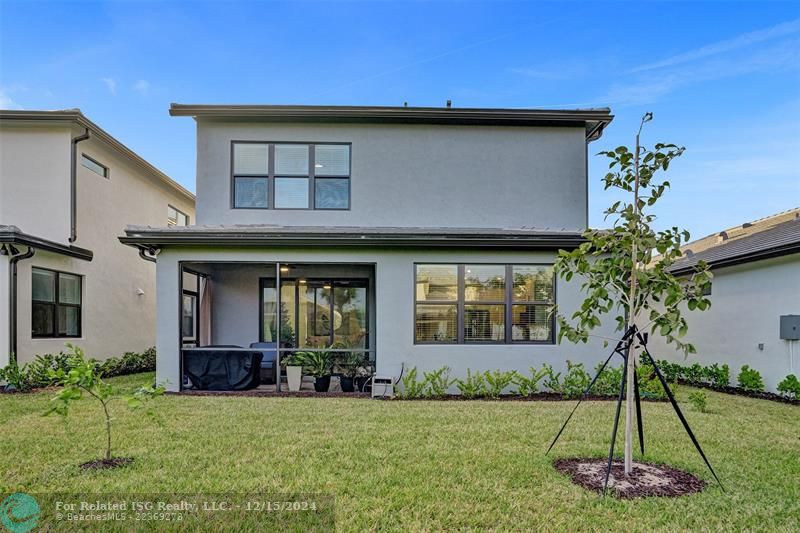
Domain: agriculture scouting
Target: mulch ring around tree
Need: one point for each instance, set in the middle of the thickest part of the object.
(101, 464)
(646, 479)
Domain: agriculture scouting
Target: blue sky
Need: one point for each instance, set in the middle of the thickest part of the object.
(723, 79)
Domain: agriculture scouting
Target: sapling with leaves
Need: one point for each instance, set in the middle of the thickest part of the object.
(625, 269)
(84, 378)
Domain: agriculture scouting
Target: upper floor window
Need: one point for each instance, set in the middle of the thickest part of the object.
(291, 176)
(480, 303)
(94, 166)
(56, 304)
(176, 217)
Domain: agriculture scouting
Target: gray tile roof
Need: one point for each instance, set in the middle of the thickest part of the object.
(771, 241)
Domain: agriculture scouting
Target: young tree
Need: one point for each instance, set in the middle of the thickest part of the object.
(84, 377)
(625, 268)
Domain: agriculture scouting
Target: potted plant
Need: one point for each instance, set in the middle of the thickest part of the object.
(351, 366)
(317, 364)
(294, 372)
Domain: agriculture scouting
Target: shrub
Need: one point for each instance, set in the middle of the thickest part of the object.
(437, 382)
(552, 379)
(608, 381)
(790, 387)
(472, 386)
(649, 384)
(718, 376)
(529, 385)
(699, 400)
(412, 387)
(575, 381)
(694, 374)
(15, 377)
(83, 377)
(130, 363)
(750, 380)
(497, 381)
(672, 371)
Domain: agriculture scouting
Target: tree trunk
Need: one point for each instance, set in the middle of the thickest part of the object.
(108, 432)
(629, 393)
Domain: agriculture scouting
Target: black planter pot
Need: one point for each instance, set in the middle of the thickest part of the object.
(322, 384)
(347, 384)
(361, 381)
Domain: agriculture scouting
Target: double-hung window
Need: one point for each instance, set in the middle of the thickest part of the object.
(56, 304)
(176, 217)
(484, 303)
(291, 175)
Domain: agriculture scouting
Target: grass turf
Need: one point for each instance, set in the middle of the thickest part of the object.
(420, 465)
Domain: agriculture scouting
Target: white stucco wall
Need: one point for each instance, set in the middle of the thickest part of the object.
(417, 175)
(394, 322)
(4, 296)
(115, 317)
(746, 303)
(34, 179)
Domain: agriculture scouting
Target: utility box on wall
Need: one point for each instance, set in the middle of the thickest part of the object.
(790, 327)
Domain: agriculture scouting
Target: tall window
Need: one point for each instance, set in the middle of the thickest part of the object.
(490, 304)
(56, 304)
(290, 176)
(176, 217)
(94, 166)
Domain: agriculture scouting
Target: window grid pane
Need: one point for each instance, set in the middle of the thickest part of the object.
(43, 320)
(532, 323)
(69, 289)
(251, 158)
(533, 283)
(94, 166)
(436, 323)
(291, 193)
(437, 283)
(44, 285)
(68, 321)
(291, 159)
(332, 160)
(332, 193)
(250, 192)
(485, 283)
(484, 323)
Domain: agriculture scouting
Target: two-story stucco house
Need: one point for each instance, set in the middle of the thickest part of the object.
(422, 237)
(67, 188)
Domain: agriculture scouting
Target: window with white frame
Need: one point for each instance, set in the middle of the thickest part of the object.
(176, 217)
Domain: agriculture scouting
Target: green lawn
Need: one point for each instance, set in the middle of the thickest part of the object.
(418, 465)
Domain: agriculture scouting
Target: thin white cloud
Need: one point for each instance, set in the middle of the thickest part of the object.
(141, 86)
(111, 85)
(648, 88)
(744, 40)
(6, 102)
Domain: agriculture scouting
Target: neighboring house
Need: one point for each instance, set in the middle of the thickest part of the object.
(421, 237)
(67, 188)
(756, 281)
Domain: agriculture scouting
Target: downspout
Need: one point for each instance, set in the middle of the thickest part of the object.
(12, 298)
(73, 186)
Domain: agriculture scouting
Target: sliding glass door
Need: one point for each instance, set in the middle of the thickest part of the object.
(316, 313)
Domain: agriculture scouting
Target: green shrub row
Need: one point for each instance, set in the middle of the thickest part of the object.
(493, 383)
(748, 379)
(38, 373)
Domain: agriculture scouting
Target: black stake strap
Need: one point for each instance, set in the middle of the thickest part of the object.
(625, 340)
(677, 409)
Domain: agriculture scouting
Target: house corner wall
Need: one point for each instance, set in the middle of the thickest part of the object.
(5, 295)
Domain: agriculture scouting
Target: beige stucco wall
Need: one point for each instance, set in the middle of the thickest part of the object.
(417, 175)
(34, 179)
(118, 286)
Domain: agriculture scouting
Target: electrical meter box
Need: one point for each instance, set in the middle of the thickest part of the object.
(790, 327)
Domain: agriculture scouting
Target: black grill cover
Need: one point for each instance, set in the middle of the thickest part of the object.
(221, 369)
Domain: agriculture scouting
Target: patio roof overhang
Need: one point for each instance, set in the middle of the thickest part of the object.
(243, 236)
(12, 235)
